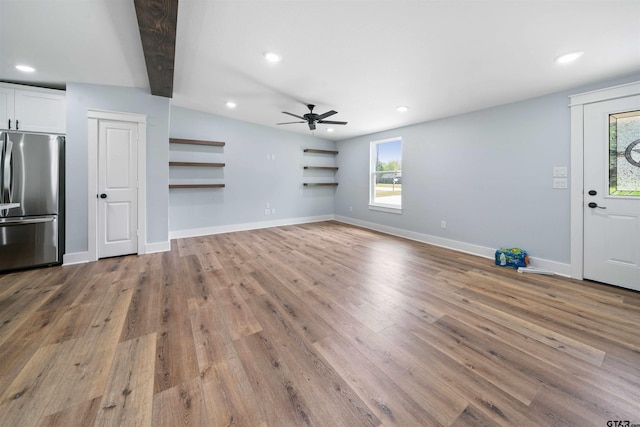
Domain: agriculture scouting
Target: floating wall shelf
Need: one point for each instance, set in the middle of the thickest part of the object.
(313, 150)
(324, 168)
(196, 185)
(201, 164)
(327, 168)
(197, 164)
(196, 142)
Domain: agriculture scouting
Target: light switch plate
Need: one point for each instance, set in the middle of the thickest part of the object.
(560, 183)
(559, 171)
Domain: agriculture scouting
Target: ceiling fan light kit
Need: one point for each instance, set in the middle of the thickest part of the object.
(312, 118)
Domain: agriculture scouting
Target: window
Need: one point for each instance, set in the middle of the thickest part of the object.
(624, 157)
(385, 182)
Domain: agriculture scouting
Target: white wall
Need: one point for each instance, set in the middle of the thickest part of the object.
(488, 174)
(81, 98)
(251, 179)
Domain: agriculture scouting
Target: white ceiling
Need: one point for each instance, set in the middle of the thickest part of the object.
(361, 58)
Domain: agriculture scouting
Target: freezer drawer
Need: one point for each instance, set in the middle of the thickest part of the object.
(28, 242)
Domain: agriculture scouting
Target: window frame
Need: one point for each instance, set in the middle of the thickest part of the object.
(378, 206)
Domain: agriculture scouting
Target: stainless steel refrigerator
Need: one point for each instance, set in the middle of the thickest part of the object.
(31, 200)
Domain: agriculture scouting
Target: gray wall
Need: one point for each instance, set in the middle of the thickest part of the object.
(251, 179)
(488, 174)
(81, 98)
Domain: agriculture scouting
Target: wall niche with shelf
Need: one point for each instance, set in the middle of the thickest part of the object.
(196, 165)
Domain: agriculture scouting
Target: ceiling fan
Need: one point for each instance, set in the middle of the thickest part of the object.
(312, 118)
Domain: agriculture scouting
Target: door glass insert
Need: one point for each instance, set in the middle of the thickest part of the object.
(624, 154)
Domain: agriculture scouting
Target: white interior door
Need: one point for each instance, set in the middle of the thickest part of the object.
(117, 188)
(612, 192)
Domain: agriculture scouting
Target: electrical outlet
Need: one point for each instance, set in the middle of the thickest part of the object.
(273, 211)
(350, 208)
(267, 211)
(443, 224)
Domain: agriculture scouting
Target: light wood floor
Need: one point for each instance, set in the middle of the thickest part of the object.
(320, 324)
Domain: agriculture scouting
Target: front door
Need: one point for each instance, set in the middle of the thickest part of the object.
(117, 188)
(612, 192)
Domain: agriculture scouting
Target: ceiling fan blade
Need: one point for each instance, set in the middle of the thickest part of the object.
(312, 125)
(327, 114)
(288, 123)
(294, 115)
(331, 122)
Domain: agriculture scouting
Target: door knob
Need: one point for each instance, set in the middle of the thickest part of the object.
(595, 205)
(592, 192)
(103, 196)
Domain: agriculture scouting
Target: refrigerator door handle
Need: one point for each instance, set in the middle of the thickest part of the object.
(7, 187)
(2, 144)
(7, 222)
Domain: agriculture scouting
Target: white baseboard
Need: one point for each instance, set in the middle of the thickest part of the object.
(481, 251)
(75, 258)
(559, 268)
(151, 248)
(206, 231)
(83, 257)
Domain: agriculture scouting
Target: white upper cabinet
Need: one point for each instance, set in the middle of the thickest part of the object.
(40, 111)
(32, 109)
(6, 108)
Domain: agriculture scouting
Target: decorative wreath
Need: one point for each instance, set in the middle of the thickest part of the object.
(627, 153)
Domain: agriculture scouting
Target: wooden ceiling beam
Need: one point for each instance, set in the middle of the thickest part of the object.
(157, 21)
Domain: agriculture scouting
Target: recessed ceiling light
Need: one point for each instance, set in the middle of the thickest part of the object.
(568, 57)
(330, 130)
(25, 68)
(231, 104)
(272, 57)
(402, 109)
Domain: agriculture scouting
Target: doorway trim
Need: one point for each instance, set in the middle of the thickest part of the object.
(94, 116)
(577, 103)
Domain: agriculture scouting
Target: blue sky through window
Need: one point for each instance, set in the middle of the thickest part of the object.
(388, 151)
